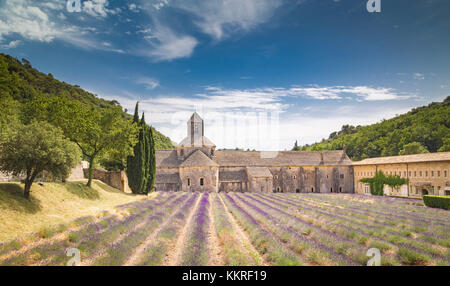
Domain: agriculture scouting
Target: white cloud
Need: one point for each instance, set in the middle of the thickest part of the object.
(44, 22)
(218, 18)
(419, 76)
(11, 45)
(340, 92)
(148, 82)
(133, 7)
(167, 45)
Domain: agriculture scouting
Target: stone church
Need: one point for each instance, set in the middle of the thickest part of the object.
(196, 166)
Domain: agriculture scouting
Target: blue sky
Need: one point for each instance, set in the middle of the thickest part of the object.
(262, 73)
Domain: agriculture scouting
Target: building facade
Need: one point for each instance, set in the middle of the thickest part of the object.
(196, 166)
(426, 174)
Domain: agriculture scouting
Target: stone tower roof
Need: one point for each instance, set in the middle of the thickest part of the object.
(198, 159)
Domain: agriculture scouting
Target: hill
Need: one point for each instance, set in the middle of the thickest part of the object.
(23, 82)
(423, 129)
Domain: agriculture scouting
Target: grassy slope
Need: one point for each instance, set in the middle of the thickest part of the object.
(24, 82)
(53, 204)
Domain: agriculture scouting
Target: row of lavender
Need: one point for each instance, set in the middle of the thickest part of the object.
(326, 234)
(91, 236)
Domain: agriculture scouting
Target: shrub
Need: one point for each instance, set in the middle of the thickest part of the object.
(442, 202)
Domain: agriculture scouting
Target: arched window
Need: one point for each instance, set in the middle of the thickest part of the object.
(201, 181)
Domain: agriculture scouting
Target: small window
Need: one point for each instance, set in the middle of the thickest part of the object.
(439, 173)
(201, 181)
(342, 176)
(409, 173)
(189, 182)
(415, 173)
(420, 173)
(445, 174)
(426, 173)
(432, 173)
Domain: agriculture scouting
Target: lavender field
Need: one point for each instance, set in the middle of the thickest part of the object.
(247, 229)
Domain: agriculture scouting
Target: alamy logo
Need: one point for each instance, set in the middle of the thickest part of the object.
(374, 6)
(375, 255)
(76, 257)
(74, 6)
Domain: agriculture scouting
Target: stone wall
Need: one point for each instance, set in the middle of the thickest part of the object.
(117, 180)
(193, 177)
(326, 179)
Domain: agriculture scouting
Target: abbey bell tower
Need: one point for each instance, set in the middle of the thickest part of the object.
(195, 139)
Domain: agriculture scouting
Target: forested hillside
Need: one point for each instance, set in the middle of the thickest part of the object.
(423, 129)
(20, 83)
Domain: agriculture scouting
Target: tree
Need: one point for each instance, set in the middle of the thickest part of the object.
(413, 148)
(34, 148)
(296, 147)
(136, 162)
(150, 158)
(96, 132)
(445, 145)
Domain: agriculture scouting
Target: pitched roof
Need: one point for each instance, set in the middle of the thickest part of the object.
(258, 172)
(167, 178)
(201, 141)
(284, 158)
(195, 117)
(167, 158)
(417, 158)
(233, 175)
(198, 159)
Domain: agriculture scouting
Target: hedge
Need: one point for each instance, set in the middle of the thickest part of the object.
(442, 202)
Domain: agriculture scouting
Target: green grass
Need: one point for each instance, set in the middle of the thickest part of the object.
(53, 206)
(410, 257)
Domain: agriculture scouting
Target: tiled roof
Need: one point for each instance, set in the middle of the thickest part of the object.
(199, 142)
(167, 178)
(168, 158)
(284, 158)
(417, 158)
(258, 172)
(233, 175)
(198, 159)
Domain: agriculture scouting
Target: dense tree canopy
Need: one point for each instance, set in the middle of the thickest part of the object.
(34, 148)
(428, 126)
(23, 84)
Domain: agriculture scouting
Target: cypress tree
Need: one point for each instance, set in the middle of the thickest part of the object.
(145, 156)
(135, 164)
(152, 161)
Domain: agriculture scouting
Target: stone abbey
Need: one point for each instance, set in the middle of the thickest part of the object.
(196, 166)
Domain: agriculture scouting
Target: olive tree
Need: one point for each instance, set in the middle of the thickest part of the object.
(31, 149)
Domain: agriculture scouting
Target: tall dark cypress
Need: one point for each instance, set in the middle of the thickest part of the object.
(152, 169)
(145, 156)
(135, 164)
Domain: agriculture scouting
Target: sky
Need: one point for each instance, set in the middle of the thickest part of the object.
(262, 73)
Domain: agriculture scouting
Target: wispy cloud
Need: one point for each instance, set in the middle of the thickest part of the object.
(46, 22)
(219, 18)
(167, 45)
(148, 82)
